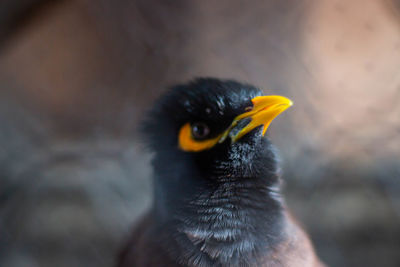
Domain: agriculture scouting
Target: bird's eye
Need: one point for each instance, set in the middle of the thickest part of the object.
(200, 130)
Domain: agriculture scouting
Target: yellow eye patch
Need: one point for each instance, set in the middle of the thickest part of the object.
(188, 143)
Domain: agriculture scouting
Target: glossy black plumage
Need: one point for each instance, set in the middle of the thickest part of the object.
(220, 206)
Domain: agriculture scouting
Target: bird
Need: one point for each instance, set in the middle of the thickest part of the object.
(216, 183)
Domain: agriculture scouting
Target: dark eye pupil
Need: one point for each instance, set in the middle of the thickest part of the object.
(200, 130)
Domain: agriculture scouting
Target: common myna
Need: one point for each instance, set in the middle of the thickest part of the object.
(216, 183)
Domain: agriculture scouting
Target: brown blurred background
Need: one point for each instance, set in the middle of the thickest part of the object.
(76, 77)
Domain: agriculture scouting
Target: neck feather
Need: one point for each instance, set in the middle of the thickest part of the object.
(232, 220)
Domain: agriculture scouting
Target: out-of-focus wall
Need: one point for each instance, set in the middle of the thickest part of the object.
(76, 77)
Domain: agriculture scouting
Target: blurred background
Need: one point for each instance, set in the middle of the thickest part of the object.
(76, 77)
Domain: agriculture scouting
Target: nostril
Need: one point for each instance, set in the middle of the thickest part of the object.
(249, 108)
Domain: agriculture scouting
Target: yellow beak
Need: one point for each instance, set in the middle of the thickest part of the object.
(264, 110)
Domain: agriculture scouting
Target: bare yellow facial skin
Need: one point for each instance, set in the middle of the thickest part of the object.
(265, 109)
(188, 143)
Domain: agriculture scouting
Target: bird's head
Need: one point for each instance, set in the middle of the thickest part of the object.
(212, 122)
(208, 129)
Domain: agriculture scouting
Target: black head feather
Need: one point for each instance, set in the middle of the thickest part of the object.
(207, 100)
